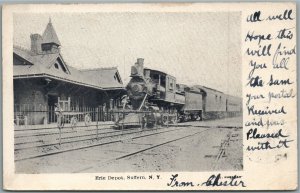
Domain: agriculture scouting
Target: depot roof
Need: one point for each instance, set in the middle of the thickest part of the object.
(27, 65)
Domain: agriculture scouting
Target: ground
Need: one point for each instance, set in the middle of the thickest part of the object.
(193, 146)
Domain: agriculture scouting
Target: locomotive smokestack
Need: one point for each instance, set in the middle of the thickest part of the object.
(140, 61)
(138, 68)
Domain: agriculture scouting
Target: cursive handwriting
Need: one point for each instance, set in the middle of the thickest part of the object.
(253, 97)
(261, 123)
(175, 183)
(270, 52)
(254, 17)
(286, 15)
(253, 134)
(285, 33)
(282, 94)
(217, 180)
(261, 51)
(278, 82)
(259, 37)
(267, 145)
(257, 16)
(266, 111)
(254, 65)
(255, 82)
(283, 61)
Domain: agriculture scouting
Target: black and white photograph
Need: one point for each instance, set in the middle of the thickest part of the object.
(127, 92)
(150, 96)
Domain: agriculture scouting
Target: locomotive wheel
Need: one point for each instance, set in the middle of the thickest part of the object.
(195, 117)
(174, 120)
(87, 120)
(180, 119)
(187, 118)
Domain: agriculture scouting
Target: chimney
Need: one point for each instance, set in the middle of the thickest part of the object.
(138, 68)
(140, 61)
(36, 41)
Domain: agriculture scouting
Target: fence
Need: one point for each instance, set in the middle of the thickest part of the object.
(39, 114)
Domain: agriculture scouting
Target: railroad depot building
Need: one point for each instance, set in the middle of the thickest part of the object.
(42, 78)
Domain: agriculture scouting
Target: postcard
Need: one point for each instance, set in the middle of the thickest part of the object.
(163, 96)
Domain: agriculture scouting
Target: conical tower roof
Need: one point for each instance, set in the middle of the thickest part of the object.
(49, 35)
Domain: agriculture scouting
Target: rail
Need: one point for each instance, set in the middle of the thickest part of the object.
(44, 138)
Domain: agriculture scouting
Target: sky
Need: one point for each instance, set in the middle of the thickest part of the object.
(201, 48)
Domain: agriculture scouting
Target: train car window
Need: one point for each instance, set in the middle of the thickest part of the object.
(171, 84)
(154, 78)
(163, 80)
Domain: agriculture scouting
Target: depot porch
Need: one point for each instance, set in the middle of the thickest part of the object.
(34, 100)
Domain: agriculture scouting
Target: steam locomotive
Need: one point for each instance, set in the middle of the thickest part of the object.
(153, 97)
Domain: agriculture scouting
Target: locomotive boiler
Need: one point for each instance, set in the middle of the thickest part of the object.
(139, 90)
(140, 87)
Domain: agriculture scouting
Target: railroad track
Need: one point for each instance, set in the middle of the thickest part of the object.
(37, 147)
(100, 135)
(39, 140)
(154, 132)
(23, 139)
(222, 152)
(130, 154)
(55, 127)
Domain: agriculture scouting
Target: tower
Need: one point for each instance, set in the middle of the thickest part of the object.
(50, 41)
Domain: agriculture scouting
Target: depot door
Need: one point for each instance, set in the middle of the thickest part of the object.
(52, 99)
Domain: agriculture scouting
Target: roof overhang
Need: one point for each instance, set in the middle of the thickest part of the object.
(43, 75)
